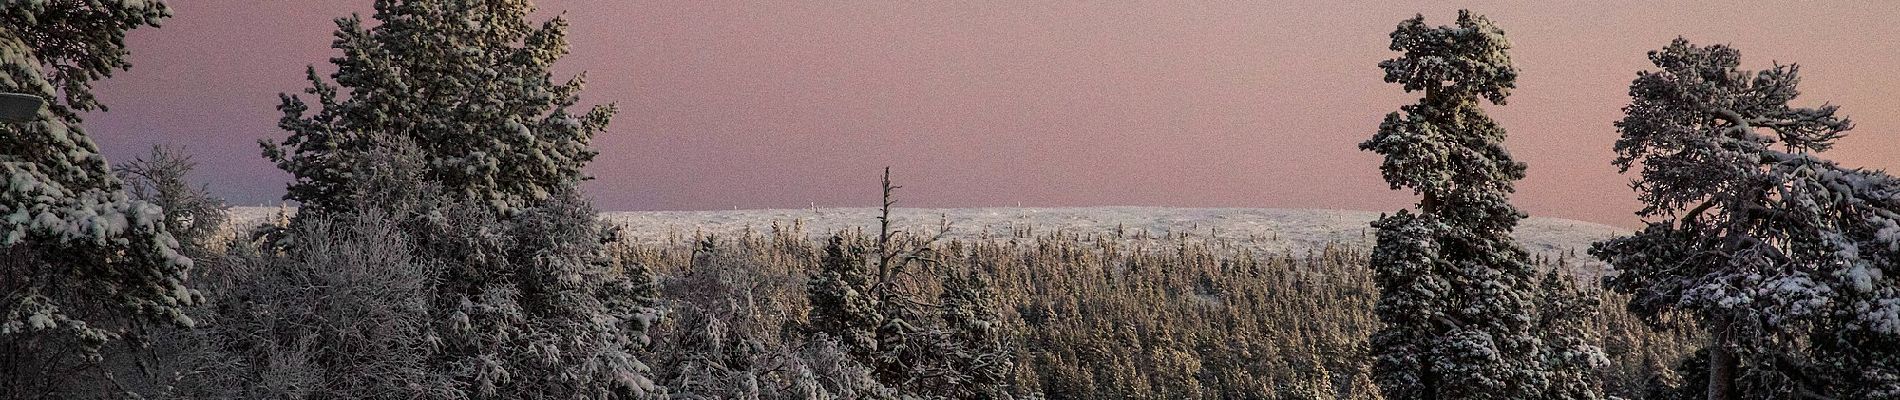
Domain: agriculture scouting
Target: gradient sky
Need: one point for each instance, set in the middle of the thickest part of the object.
(1245, 104)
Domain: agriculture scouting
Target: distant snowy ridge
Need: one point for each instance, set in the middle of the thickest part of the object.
(1270, 230)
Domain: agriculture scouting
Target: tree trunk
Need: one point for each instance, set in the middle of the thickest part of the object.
(1722, 363)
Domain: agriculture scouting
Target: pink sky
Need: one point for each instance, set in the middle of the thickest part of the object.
(1241, 104)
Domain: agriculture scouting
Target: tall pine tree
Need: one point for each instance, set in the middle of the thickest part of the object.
(1785, 258)
(1458, 296)
(83, 264)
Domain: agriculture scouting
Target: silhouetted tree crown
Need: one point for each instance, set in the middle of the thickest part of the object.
(1784, 257)
(1459, 298)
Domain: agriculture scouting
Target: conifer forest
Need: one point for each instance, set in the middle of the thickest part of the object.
(436, 232)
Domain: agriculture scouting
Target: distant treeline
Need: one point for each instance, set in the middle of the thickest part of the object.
(1092, 317)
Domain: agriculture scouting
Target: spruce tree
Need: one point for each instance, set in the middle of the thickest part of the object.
(980, 366)
(1458, 295)
(864, 298)
(840, 295)
(84, 264)
(1785, 258)
(192, 214)
(1567, 317)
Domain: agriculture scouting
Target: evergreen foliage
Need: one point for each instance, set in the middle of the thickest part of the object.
(1567, 318)
(1459, 297)
(84, 265)
(1782, 256)
(1087, 315)
(444, 115)
(979, 365)
(881, 319)
(194, 216)
(466, 81)
(842, 305)
(172, 361)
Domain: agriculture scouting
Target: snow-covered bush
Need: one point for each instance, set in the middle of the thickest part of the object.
(726, 334)
(342, 311)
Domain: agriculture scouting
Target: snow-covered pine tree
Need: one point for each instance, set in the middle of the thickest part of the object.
(841, 302)
(155, 367)
(1457, 294)
(980, 363)
(84, 264)
(467, 81)
(192, 214)
(459, 93)
(1567, 317)
(881, 327)
(1785, 258)
(580, 316)
(863, 298)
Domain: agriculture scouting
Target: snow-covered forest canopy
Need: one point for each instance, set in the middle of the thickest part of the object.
(441, 246)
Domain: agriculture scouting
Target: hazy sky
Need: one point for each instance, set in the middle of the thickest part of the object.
(1244, 104)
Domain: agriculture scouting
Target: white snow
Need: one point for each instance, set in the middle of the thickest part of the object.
(1291, 231)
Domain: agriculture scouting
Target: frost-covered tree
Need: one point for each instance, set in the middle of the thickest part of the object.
(446, 111)
(192, 214)
(1567, 317)
(467, 81)
(726, 334)
(842, 304)
(341, 312)
(83, 263)
(528, 306)
(1785, 258)
(978, 363)
(533, 307)
(868, 301)
(1458, 296)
